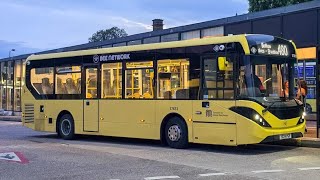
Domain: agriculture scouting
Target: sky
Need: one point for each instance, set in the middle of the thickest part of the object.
(30, 26)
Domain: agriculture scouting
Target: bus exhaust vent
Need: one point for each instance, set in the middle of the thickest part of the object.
(29, 113)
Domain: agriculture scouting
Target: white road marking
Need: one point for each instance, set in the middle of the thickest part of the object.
(268, 171)
(309, 168)
(212, 174)
(162, 177)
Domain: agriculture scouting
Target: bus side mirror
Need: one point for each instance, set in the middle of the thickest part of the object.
(222, 63)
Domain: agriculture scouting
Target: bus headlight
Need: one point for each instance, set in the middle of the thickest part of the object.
(251, 114)
(304, 115)
(302, 118)
(259, 120)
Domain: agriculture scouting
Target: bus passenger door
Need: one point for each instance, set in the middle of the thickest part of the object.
(91, 102)
(212, 121)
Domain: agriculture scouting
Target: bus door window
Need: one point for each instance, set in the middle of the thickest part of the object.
(139, 77)
(218, 81)
(91, 83)
(210, 78)
(111, 86)
(173, 79)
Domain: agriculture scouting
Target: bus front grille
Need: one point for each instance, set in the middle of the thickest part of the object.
(28, 113)
(287, 113)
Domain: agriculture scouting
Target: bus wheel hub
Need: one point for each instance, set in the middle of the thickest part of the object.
(174, 133)
(65, 127)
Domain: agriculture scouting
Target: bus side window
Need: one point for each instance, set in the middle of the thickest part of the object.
(173, 79)
(42, 80)
(111, 75)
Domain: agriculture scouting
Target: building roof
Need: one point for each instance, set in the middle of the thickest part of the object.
(202, 25)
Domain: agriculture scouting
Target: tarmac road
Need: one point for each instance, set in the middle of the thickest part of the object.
(45, 156)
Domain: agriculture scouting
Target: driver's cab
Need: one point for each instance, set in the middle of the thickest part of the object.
(265, 77)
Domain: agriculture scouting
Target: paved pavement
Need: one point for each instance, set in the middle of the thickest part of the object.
(91, 157)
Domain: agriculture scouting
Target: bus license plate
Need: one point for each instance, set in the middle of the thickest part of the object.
(285, 136)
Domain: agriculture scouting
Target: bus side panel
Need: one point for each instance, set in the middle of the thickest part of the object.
(127, 118)
(181, 107)
(27, 104)
(214, 123)
(51, 110)
(75, 107)
(211, 133)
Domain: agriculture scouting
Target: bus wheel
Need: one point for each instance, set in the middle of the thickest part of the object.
(66, 127)
(176, 133)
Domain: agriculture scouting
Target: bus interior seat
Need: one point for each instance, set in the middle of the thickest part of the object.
(147, 95)
(79, 85)
(136, 95)
(61, 89)
(46, 87)
(167, 95)
(193, 92)
(71, 87)
(182, 94)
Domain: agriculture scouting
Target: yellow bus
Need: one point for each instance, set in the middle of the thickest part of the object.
(221, 90)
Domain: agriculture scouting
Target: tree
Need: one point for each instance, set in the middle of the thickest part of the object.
(108, 34)
(259, 5)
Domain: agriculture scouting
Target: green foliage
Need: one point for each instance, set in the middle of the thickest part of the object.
(108, 34)
(259, 5)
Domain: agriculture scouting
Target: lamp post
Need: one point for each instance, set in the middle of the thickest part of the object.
(10, 52)
(9, 93)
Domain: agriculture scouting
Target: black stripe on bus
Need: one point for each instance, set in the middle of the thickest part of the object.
(213, 122)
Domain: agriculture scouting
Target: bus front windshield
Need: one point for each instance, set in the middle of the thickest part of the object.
(266, 78)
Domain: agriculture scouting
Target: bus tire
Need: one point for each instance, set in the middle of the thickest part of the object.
(66, 127)
(176, 133)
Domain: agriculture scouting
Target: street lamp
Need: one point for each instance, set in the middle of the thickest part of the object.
(10, 52)
(9, 91)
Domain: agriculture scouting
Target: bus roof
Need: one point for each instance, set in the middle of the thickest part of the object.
(175, 44)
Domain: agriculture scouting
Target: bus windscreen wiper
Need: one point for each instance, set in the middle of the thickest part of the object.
(268, 107)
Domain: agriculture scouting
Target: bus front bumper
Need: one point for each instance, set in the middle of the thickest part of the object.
(274, 138)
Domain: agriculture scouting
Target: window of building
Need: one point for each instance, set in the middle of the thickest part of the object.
(151, 40)
(68, 80)
(216, 31)
(23, 78)
(10, 90)
(119, 44)
(42, 82)
(173, 79)
(106, 46)
(136, 42)
(111, 86)
(170, 37)
(190, 35)
(139, 77)
(3, 85)
(17, 85)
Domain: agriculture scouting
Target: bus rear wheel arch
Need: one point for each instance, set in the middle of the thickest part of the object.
(175, 132)
(65, 126)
